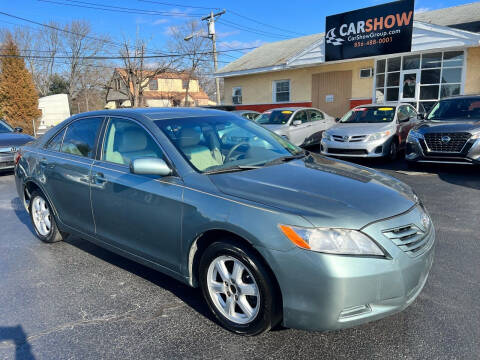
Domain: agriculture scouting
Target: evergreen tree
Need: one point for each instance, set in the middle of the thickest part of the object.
(18, 96)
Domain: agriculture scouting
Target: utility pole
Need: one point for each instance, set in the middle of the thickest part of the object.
(211, 34)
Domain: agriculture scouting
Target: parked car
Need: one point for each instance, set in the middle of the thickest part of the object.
(301, 126)
(370, 131)
(450, 133)
(247, 114)
(10, 140)
(270, 233)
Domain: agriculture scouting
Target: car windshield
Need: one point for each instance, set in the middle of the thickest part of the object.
(274, 117)
(5, 128)
(454, 109)
(377, 114)
(220, 143)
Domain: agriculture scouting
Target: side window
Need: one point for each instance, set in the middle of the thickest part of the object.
(315, 115)
(55, 144)
(412, 112)
(80, 137)
(125, 141)
(302, 116)
(402, 113)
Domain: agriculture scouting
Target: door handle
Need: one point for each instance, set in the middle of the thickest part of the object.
(99, 178)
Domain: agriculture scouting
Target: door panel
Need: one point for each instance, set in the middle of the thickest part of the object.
(66, 166)
(297, 134)
(138, 213)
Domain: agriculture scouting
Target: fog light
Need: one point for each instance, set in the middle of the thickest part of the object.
(354, 311)
(379, 149)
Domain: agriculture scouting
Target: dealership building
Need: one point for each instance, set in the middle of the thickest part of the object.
(444, 60)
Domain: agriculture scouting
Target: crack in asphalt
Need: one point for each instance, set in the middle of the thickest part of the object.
(161, 312)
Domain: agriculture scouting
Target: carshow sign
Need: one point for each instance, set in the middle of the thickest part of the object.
(376, 30)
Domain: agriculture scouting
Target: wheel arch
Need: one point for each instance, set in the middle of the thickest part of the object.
(200, 244)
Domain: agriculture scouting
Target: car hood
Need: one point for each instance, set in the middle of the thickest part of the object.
(327, 192)
(14, 139)
(358, 129)
(448, 126)
(275, 128)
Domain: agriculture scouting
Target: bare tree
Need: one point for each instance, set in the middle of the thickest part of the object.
(190, 40)
(138, 72)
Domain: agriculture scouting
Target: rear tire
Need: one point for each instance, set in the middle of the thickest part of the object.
(43, 219)
(238, 289)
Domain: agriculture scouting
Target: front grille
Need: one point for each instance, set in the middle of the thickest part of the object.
(348, 151)
(437, 142)
(354, 138)
(409, 238)
(6, 164)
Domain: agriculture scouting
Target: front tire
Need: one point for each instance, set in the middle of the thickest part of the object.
(43, 219)
(238, 289)
(392, 151)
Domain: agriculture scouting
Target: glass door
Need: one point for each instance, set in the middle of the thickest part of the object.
(409, 85)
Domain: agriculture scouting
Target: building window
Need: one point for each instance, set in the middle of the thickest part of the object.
(185, 83)
(237, 95)
(116, 84)
(153, 84)
(281, 91)
(421, 79)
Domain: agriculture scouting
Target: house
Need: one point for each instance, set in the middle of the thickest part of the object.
(164, 90)
(444, 60)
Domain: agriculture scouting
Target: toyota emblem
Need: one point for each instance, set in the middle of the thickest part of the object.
(345, 138)
(446, 139)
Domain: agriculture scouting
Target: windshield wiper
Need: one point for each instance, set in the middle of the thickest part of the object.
(283, 159)
(232, 169)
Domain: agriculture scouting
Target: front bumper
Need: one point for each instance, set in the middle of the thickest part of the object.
(418, 151)
(7, 161)
(328, 292)
(364, 149)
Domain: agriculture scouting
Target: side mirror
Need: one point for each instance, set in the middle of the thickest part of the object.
(18, 129)
(297, 122)
(403, 119)
(337, 119)
(150, 166)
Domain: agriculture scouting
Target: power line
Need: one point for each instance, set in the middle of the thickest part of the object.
(264, 24)
(252, 30)
(179, 5)
(112, 8)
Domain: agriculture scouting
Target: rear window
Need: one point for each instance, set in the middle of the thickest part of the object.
(377, 114)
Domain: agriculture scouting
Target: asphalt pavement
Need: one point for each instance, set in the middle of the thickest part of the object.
(74, 300)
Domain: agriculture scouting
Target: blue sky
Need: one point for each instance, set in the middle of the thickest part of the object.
(286, 18)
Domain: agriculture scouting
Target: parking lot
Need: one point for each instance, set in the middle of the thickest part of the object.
(75, 300)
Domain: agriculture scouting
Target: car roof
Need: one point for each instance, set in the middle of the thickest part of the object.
(245, 111)
(474, 96)
(156, 113)
(292, 108)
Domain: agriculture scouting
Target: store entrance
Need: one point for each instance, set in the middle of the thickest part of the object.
(409, 85)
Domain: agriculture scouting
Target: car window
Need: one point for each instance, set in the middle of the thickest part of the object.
(371, 114)
(5, 128)
(302, 116)
(55, 144)
(412, 112)
(125, 141)
(80, 137)
(402, 113)
(274, 117)
(315, 115)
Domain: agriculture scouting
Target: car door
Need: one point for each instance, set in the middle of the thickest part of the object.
(140, 214)
(319, 124)
(65, 165)
(405, 121)
(298, 133)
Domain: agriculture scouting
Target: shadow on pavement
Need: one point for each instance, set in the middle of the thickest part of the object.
(22, 214)
(190, 296)
(16, 335)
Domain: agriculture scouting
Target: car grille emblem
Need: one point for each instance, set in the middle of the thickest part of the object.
(345, 138)
(446, 139)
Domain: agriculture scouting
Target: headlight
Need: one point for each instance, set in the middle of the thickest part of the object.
(414, 135)
(332, 241)
(378, 136)
(475, 136)
(326, 136)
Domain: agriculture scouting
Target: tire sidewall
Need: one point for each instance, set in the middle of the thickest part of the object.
(52, 235)
(392, 151)
(265, 316)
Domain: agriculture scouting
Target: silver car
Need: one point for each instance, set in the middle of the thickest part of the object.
(301, 126)
(370, 131)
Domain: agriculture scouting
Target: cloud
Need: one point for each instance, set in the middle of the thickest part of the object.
(224, 34)
(160, 21)
(422, 9)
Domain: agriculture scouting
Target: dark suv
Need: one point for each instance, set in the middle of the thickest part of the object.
(449, 133)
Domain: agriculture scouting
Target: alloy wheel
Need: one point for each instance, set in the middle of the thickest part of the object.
(233, 289)
(41, 216)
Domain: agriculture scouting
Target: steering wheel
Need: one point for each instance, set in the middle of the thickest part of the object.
(234, 147)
